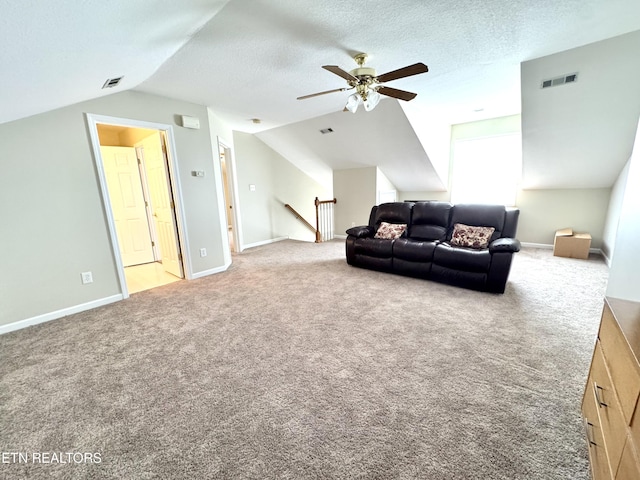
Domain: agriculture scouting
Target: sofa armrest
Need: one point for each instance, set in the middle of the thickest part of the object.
(505, 245)
(361, 231)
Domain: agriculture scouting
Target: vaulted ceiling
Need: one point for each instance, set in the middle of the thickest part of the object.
(249, 59)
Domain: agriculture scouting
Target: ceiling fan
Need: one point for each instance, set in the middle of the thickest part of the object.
(368, 85)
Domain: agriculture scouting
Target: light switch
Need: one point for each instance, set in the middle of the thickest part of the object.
(252, 188)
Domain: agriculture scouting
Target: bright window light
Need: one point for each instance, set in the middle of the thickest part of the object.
(487, 169)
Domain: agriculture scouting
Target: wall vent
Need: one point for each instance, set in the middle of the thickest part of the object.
(554, 82)
(324, 131)
(112, 82)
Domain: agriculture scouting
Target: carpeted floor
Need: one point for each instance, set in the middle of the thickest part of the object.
(294, 365)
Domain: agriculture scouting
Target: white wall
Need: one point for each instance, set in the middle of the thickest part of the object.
(624, 272)
(485, 128)
(613, 213)
(423, 196)
(384, 187)
(542, 212)
(277, 182)
(355, 190)
(53, 221)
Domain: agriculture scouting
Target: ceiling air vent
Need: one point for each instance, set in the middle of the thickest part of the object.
(112, 82)
(324, 131)
(554, 82)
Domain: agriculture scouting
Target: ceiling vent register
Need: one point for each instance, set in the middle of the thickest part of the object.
(112, 82)
(554, 82)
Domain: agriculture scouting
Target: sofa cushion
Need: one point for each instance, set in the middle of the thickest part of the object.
(361, 231)
(390, 231)
(411, 268)
(472, 237)
(373, 247)
(395, 212)
(479, 216)
(459, 278)
(464, 259)
(413, 250)
(429, 220)
(382, 264)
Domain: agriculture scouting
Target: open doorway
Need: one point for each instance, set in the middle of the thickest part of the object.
(138, 179)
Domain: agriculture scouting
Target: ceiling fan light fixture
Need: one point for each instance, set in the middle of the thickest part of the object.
(368, 85)
(371, 101)
(352, 102)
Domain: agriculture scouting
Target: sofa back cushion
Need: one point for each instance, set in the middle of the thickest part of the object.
(511, 222)
(478, 216)
(430, 220)
(395, 212)
(372, 217)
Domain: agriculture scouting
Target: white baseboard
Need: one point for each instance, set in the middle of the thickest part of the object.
(341, 237)
(264, 242)
(537, 245)
(546, 246)
(59, 314)
(211, 271)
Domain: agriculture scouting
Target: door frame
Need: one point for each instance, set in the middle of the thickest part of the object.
(176, 191)
(233, 191)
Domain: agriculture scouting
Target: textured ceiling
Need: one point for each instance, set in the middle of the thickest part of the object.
(256, 56)
(251, 58)
(347, 146)
(59, 53)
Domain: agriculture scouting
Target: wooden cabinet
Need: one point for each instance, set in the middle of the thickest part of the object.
(610, 405)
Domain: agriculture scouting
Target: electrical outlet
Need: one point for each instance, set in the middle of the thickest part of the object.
(87, 277)
(353, 224)
(203, 252)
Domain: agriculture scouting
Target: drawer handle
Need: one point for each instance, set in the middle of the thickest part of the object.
(589, 432)
(596, 391)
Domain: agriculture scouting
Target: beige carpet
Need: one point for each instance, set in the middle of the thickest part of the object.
(294, 365)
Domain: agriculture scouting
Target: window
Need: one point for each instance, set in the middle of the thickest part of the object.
(487, 169)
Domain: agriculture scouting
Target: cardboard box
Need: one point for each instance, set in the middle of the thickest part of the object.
(571, 245)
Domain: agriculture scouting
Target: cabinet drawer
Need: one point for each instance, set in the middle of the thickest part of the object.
(597, 450)
(635, 429)
(612, 423)
(628, 469)
(620, 362)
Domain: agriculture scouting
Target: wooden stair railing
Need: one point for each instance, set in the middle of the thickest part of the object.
(324, 216)
(300, 217)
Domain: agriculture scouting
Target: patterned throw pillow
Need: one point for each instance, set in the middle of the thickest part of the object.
(390, 231)
(472, 237)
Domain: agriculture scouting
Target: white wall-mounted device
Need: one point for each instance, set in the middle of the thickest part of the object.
(190, 122)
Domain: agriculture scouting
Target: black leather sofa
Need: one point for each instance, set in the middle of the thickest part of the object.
(425, 249)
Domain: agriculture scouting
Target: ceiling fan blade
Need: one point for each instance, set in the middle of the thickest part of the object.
(322, 93)
(414, 69)
(340, 72)
(395, 93)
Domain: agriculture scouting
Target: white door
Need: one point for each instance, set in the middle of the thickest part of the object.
(127, 204)
(162, 205)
